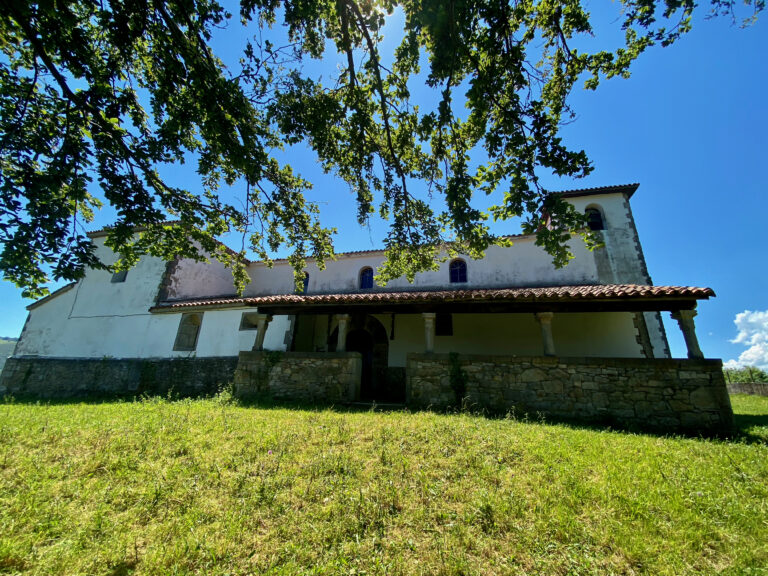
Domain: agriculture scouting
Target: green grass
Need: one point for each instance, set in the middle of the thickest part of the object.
(206, 487)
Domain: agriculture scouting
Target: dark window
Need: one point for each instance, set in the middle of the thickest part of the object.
(189, 328)
(443, 324)
(366, 278)
(119, 276)
(458, 272)
(594, 219)
(249, 321)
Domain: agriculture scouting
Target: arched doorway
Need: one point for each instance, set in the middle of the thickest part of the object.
(368, 337)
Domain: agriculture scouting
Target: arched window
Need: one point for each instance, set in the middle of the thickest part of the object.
(366, 278)
(458, 272)
(594, 219)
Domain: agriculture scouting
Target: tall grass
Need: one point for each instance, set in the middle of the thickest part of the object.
(210, 487)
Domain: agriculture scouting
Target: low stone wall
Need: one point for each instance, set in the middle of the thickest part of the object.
(304, 376)
(754, 388)
(74, 377)
(658, 394)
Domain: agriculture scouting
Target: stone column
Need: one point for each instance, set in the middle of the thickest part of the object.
(429, 332)
(341, 343)
(262, 322)
(685, 321)
(545, 321)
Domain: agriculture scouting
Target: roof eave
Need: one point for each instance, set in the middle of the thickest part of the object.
(51, 296)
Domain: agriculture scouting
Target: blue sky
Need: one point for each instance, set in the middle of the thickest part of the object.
(691, 126)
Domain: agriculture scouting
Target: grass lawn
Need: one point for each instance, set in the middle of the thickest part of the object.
(210, 487)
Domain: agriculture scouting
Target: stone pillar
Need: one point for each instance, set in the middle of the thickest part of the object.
(685, 321)
(545, 321)
(429, 332)
(262, 321)
(341, 343)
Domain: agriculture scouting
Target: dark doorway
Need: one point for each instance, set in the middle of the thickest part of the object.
(368, 337)
(362, 341)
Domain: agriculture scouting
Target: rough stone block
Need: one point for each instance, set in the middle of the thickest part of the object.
(533, 375)
(705, 398)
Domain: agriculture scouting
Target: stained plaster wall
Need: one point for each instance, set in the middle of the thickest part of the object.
(524, 264)
(191, 279)
(49, 332)
(621, 260)
(98, 318)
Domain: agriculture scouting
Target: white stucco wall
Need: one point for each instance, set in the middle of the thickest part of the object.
(99, 318)
(96, 295)
(50, 332)
(607, 334)
(604, 334)
(524, 264)
(192, 279)
(612, 206)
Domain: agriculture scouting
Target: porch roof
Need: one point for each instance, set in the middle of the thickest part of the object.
(586, 298)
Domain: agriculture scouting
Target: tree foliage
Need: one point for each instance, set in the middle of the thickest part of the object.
(745, 374)
(106, 92)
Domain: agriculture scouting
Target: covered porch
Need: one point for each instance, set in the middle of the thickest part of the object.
(580, 352)
(614, 321)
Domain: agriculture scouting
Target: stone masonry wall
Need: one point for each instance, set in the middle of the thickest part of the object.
(304, 376)
(755, 388)
(660, 394)
(49, 378)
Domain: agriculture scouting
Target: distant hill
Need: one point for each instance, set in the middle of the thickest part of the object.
(6, 349)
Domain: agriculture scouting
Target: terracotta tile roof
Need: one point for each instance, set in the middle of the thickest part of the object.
(543, 294)
(628, 189)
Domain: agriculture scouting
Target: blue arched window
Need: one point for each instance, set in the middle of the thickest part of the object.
(366, 278)
(458, 272)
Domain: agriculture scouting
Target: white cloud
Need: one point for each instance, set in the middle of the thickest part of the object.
(753, 333)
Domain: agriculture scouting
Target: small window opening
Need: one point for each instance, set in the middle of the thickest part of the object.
(119, 276)
(366, 278)
(444, 324)
(458, 272)
(189, 329)
(249, 321)
(594, 219)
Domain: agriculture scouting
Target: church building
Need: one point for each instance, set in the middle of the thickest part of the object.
(508, 333)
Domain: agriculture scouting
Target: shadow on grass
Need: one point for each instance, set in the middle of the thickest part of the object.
(746, 426)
